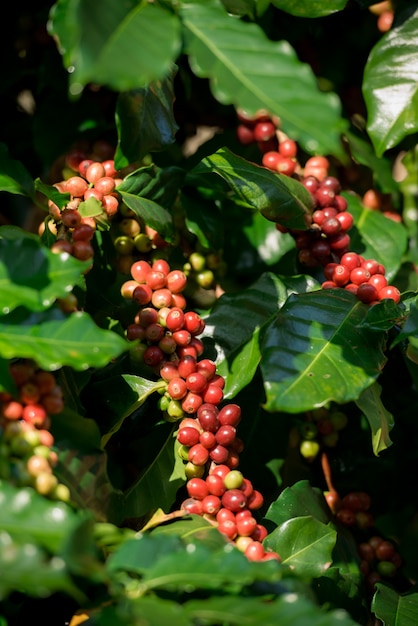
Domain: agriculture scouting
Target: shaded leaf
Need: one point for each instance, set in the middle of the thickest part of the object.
(26, 515)
(218, 49)
(376, 236)
(310, 8)
(380, 420)
(14, 177)
(30, 274)
(362, 152)
(146, 34)
(74, 340)
(145, 121)
(279, 198)
(315, 351)
(395, 608)
(301, 499)
(390, 83)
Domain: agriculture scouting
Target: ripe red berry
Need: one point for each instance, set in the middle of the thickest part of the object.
(177, 388)
(271, 160)
(215, 484)
(211, 504)
(390, 292)
(176, 281)
(197, 488)
(213, 394)
(288, 148)
(198, 454)
(186, 366)
(196, 382)
(340, 275)
(359, 275)
(230, 414)
(255, 551)
(188, 436)
(263, 131)
(234, 500)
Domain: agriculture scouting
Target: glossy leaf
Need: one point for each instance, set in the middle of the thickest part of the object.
(380, 420)
(151, 192)
(145, 121)
(75, 340)
(305, 544)
(235, 345)
(279, 198)
(310, 8)
(30, 274)
(376, 236)
(14, 177)
(298, 500)
(392, 607)
(146, 34)
(26, 515)
(390, 83)
(316, 352)
(217, 46)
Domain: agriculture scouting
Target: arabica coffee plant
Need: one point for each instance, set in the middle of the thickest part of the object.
(208, 326)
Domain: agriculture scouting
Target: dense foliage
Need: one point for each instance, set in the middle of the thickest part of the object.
(209, 322)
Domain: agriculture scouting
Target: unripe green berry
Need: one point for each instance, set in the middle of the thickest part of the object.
(124, 244)
(233, 480)
(197, 261)
(142, 243)
(194, 471)
(309, 449)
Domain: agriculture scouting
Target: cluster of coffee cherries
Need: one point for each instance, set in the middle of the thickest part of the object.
(216, 488)
(165, 337)
(279, 153)
(380, 560)
(93, 199)
(320, 428)
(26, 454)
(379, 557)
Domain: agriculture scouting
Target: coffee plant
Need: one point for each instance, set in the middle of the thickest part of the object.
(209, 313)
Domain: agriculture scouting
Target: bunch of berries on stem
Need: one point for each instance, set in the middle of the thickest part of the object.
(27, 457)
(165, 337)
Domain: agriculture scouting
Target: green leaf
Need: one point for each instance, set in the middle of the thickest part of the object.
(390, 83)
(380, 420)
(279, 198)
(14, 177)
(316, 352)
(145, 121)
(299, 500)
(376, 236)
(118, 397)
(75, 341)
(151, 193)
(30, 274)
(235, 323)
(305, 544)
(381, 168)
(392, 607)
(26, 515)
(97, 45)
(262, 75)
(310, 8)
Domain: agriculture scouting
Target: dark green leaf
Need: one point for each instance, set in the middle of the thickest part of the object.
(380, 420)
(235, 323)
(310, 8)
(376, 236)
(26, 515)
(390, 84)
(362, 152)
(241, 7)
(316, 351)
(75, 341)
(264, 75)
(14, 178)
(30, 274)
(279, 198)
(151, 192)
(299, 500)
(125, 46)
(145, 121)
(203, 219)
(52, 193)
(395, 608)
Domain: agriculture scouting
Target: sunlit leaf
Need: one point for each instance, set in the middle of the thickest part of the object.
(390, 84)
(315, 351)
(310, 8)
(218, 48)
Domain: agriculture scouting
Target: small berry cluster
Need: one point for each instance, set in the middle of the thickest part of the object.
(279, 153)
(26, 455)
(354, 510)
(166, 332)
(320, 427)
(95, 181)
(365, 278)
(380, 560)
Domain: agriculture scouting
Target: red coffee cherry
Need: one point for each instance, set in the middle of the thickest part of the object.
(197, 488)
(234, 500)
